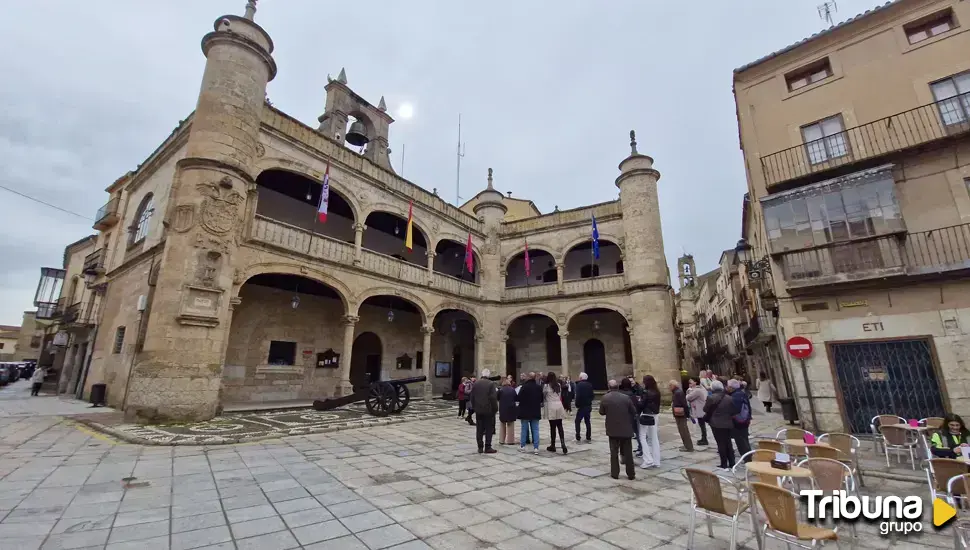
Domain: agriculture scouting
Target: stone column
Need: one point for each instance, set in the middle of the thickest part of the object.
(502, 351)
(480, 353)
(346, 387)
(358, 239)
(633, 349)
(560, 267)
(67, 368)
(564, 351)
(431, 255)
(426, 331)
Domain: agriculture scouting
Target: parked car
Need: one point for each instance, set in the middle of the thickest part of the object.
(7, 373)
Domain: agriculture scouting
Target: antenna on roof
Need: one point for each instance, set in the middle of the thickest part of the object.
(825, 11)
(460, 153)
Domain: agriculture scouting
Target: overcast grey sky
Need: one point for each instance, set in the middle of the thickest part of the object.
(548, 92)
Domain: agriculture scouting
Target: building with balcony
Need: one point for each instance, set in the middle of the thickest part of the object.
(224, 285)
(857, 148)
(72, 320)
(30, 338)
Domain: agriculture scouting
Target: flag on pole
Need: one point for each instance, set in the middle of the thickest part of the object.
(408, 234)
(324, 196)
(528, 268)
(596, 240)
(469, 257)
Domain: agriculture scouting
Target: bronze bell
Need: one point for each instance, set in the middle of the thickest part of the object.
(356, 136)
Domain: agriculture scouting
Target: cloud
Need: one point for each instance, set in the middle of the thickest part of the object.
(548, 92)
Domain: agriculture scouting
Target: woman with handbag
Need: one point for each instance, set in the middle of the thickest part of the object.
(649, 413)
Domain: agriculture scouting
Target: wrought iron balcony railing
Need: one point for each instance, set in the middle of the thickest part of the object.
(907, 254)
(760, 328)
(79, 314)
(919, 126)
(107, 215)
(94, 263)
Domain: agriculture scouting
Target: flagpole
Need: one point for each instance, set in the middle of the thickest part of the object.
(312, 231)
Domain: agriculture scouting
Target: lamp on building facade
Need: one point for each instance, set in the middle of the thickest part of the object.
(454, 326)
(295, 302)
(390, 316)
(596, 324)
(757, 270)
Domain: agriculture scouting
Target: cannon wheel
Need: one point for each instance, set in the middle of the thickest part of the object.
(403, 396)
(381, 399)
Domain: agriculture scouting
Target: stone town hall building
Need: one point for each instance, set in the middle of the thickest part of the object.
(215, 284)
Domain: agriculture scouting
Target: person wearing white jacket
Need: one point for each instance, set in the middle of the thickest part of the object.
(766, 391)
(36, 381)
(697, 397)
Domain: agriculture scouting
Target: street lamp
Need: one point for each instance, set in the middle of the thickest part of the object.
(757, 270)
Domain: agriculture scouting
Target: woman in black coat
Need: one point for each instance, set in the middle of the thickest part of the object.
(507, 413)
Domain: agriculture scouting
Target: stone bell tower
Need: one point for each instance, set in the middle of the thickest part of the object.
(372, 125)
(651, 327)
(177, 372)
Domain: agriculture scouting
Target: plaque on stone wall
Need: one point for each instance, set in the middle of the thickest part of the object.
(328, 359)
(200, 306)
(404, 362)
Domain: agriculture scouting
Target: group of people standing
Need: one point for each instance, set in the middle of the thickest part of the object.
(632, 412)
(534, 397)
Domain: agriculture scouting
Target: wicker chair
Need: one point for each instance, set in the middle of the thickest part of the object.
(934, 422)
(882, 420)
(849, 445)
(781, 513)
(757, 455)
(939, 472)
(832, 475)
(791, 433)
(900, 440)
(707, 497)
(958, 489)
(771, 445)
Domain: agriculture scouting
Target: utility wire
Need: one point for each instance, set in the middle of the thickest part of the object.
(28, 197)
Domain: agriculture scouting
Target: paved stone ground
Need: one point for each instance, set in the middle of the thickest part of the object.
(413, 485)
(258, 425)
(15, 400)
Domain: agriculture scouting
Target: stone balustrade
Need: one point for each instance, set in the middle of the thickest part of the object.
(603, 283)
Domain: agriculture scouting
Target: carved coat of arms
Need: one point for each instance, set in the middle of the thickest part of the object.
(218, 210)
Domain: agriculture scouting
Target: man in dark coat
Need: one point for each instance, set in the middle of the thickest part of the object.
(530, 412)
(485, 402)
(681, 410)
(584, 404)
(619, 410)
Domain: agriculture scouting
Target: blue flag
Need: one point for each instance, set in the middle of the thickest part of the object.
(596, 240)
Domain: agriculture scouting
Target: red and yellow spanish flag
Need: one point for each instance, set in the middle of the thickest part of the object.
(407, 235)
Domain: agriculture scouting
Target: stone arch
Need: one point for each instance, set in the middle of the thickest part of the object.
(442, 236)
(301, 270)
(401, 212)
(507, 322)
(587, 238)
(597, 305)
(532, 248)
(458, 307)
(398, 292)
(303, 169)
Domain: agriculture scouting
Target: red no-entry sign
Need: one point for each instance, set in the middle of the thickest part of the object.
(799, 347)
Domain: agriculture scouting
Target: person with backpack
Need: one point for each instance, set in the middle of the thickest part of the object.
(742, 420)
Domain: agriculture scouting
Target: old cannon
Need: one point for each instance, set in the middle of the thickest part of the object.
(382, 397)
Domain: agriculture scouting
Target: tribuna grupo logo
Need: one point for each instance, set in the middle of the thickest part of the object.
(895, 514)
